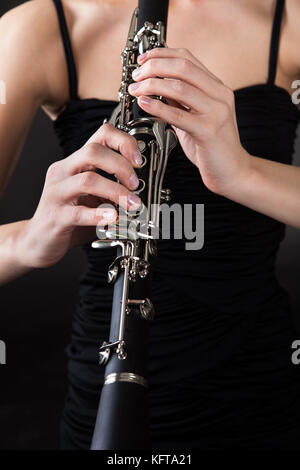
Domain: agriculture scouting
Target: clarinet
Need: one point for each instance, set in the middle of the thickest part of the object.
(123, 414)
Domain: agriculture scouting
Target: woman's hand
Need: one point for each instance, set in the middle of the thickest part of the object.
(73, 191)
(201, 110)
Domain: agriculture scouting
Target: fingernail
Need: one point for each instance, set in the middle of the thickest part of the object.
(134, 181)
(142, 57)
(136, 73)
(133, 86)
(138, 158)
(145, 100)
(108, 214)
(134, 201)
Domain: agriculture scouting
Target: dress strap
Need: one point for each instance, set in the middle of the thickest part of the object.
(68, 49)
(275, 41)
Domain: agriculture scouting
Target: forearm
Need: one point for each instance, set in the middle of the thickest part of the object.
(12, 264)
(271, 188)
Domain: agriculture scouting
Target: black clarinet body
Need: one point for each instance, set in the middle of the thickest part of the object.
(123, 414)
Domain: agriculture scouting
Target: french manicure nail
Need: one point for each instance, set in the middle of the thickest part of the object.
(142, 57)
(133, 86)
(138, 158)
(134, 201)
(136, 73)
(108, 214)
(134, 181)
(145, 100)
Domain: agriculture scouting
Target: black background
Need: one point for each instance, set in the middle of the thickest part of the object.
(36, 311)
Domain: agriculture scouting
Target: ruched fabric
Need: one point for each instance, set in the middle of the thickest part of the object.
(220, 367)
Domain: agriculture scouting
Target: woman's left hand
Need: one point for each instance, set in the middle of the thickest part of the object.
(200, 108)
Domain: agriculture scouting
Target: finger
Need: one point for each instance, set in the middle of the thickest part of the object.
(171, 114)
(84, 216)
(95, 156)
(167, 52)
(181, 69)
(91, 183)
(177, 104)
(118, 140)
(177, 90)
(105, 136)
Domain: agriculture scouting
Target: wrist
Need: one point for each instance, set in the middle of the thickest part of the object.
(25, 247)
(13, 261)
(237, 186)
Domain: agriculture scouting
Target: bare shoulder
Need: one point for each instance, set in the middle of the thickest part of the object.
(28, 27)
(31, 37)
(30, 45)
(293, 27)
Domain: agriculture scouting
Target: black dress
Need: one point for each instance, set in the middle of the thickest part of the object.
(221, 374)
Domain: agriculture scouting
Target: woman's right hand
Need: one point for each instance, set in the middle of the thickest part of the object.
(73, 191)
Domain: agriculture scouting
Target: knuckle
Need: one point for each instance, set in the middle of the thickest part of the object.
(178, 87)
(75, 215)
(124, 147)
(51, 213)
(131, 140)
(184, 65)
(178, 114)
(228, 95)
(105, 128)
(53, 169)
(126, 166)
(127, 146)
(183, 51)
(152, 52)
(149, 84)
(122, 196)
(91, 150)
(86, 180)
(118, 194)
(51, 194)
(111, 194)
(151, 65)
(123, 168)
